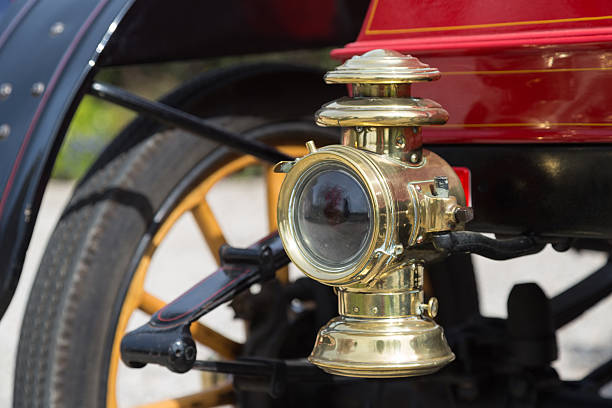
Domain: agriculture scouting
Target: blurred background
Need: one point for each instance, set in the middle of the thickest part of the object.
(584, 344)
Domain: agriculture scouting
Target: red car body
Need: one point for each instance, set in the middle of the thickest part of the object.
(521, 71)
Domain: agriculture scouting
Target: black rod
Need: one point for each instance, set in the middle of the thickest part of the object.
(599, 377)
(175, 117)
(574, 301)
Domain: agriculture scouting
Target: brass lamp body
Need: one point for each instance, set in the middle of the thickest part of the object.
(384, 328)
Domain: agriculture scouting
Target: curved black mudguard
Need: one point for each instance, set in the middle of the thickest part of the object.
(56, 43)
(60, 44)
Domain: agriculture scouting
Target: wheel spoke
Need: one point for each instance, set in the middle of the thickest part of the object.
(220, 395)
(210, 228)
(205, 335)
(273, 185)
(132, 300)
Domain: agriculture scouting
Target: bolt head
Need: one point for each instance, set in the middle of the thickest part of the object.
(57, 28)
(255, 289)
(5, 131)
(6, 90)
(37, 88)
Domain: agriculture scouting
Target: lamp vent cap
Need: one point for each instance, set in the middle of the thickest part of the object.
(382, 67)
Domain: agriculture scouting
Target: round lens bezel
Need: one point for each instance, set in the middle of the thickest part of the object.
(365, 169)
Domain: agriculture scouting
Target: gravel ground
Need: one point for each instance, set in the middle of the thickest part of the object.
(583, 344)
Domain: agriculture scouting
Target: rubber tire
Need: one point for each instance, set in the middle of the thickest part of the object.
(70, 319)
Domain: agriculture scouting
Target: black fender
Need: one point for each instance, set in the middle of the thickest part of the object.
(4, 4)
(55, 43)
(61, 43)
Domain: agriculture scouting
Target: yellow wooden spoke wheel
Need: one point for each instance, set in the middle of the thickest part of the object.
(91, 279)
(137, 298)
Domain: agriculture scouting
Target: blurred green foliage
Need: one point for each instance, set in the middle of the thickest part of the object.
(96, 122)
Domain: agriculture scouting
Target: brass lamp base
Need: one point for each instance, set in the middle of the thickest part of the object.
(382, 348)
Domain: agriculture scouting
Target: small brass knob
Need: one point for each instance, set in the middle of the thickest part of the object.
(310, 145)
(464, 214)
(431, 308)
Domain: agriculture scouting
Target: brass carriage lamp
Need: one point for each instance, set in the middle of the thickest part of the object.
(358, 217)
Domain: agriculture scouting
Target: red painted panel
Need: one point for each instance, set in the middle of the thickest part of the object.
(429, 18)
(554, 95)
(512, 71)
(465, 177)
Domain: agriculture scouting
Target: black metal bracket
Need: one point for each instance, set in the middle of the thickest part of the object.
(479, 244)
(167, 114)
(599, 377)
(579, 298)
(166, 339)
(270, 375)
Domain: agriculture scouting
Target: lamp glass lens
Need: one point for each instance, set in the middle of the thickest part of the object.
(333, 216)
